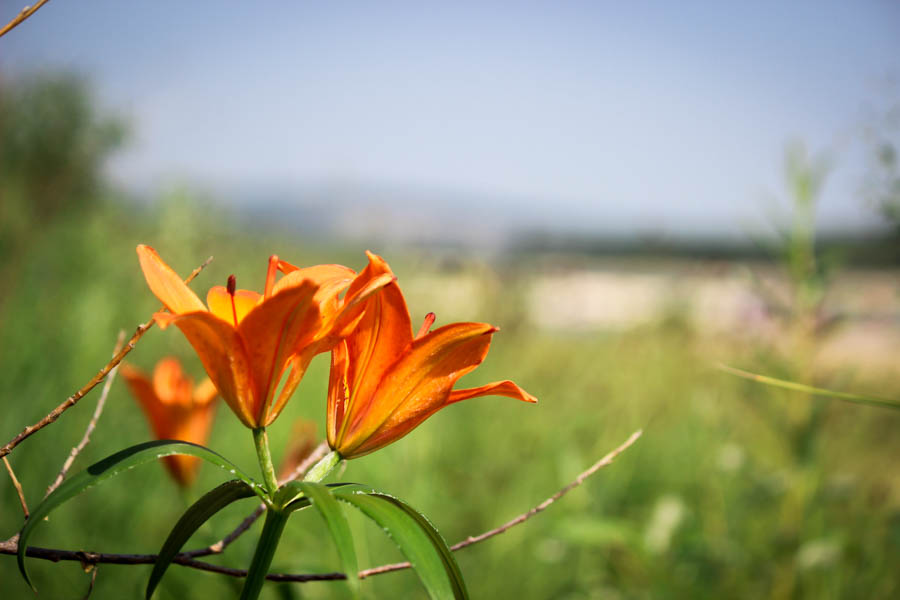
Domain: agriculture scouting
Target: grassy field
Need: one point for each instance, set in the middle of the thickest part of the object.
(735, 490)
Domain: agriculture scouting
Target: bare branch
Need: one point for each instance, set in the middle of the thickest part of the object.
(17, 485)
(306, 464)
(74, 398)
(606, 460)
(94, 569)
(23, 14)
(92, 424)
(186, 559)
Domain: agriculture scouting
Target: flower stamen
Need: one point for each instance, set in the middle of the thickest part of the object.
(270, 275)
(426, 325)
(231, 287)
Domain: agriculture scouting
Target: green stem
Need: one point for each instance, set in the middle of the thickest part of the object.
(261, 439)
(265, 550)
(322, 468)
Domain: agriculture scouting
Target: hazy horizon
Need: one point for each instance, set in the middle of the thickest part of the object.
(581, 116)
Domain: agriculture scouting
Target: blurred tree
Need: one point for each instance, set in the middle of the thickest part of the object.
(53, 146)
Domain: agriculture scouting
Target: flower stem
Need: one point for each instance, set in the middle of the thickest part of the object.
(265, 550)
(261, 439)
(322, 468)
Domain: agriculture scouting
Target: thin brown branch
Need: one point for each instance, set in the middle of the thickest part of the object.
(605, 461)
(74, 398)
(94, 569)
(17, 485)
(307, 463)
(92, 424)
(186, 559)
(23, 14)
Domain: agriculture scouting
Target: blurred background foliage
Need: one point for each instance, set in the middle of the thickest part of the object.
(735, 491)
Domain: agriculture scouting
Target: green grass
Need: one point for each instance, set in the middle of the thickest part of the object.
(736, 490)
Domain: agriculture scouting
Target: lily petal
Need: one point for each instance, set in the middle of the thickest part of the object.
(383, 333)
(166, 284)
(205, 392)
(142, 389)
(170, 384)
(337, 395)
(417, 385)
(331, 279)
(498, 388)
(192, 425)
(298, 365)
(222, 353)
(318, 274)
(270, 332)
(219, 301)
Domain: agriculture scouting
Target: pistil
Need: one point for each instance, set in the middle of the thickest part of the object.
(231, 287)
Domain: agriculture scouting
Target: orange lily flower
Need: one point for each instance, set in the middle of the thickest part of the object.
(339, 314)
(246, 340)
(176, 410)
(384, 382)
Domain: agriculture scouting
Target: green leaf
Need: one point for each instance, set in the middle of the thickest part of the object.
(265, 550)
(333, 515)
(290, 496)
(808, 389)
(113, 465)
(417, 539)
(195, 516)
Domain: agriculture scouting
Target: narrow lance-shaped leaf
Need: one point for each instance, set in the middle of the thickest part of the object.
(195, 516)
(417, 539)
(332, 513)
(265, 550)
(290, 495)
(113, 465)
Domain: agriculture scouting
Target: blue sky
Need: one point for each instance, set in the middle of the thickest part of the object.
(671, 116)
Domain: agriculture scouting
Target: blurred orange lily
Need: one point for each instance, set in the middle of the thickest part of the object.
(246, 340)
(384, 382)
(176, 410)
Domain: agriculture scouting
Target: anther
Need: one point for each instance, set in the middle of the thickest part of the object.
(232, 285)
(426, 325)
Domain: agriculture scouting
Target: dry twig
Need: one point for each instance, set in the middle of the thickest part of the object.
(96, 379)
(90, 590)
(185, 559)
(23, 14)
(606, 460)
(92, 424)
(17, 485)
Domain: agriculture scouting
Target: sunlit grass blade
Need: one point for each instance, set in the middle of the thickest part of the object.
(195, 516)
(333, 515)
(808, 389)
(113, 465)
(417, 539)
